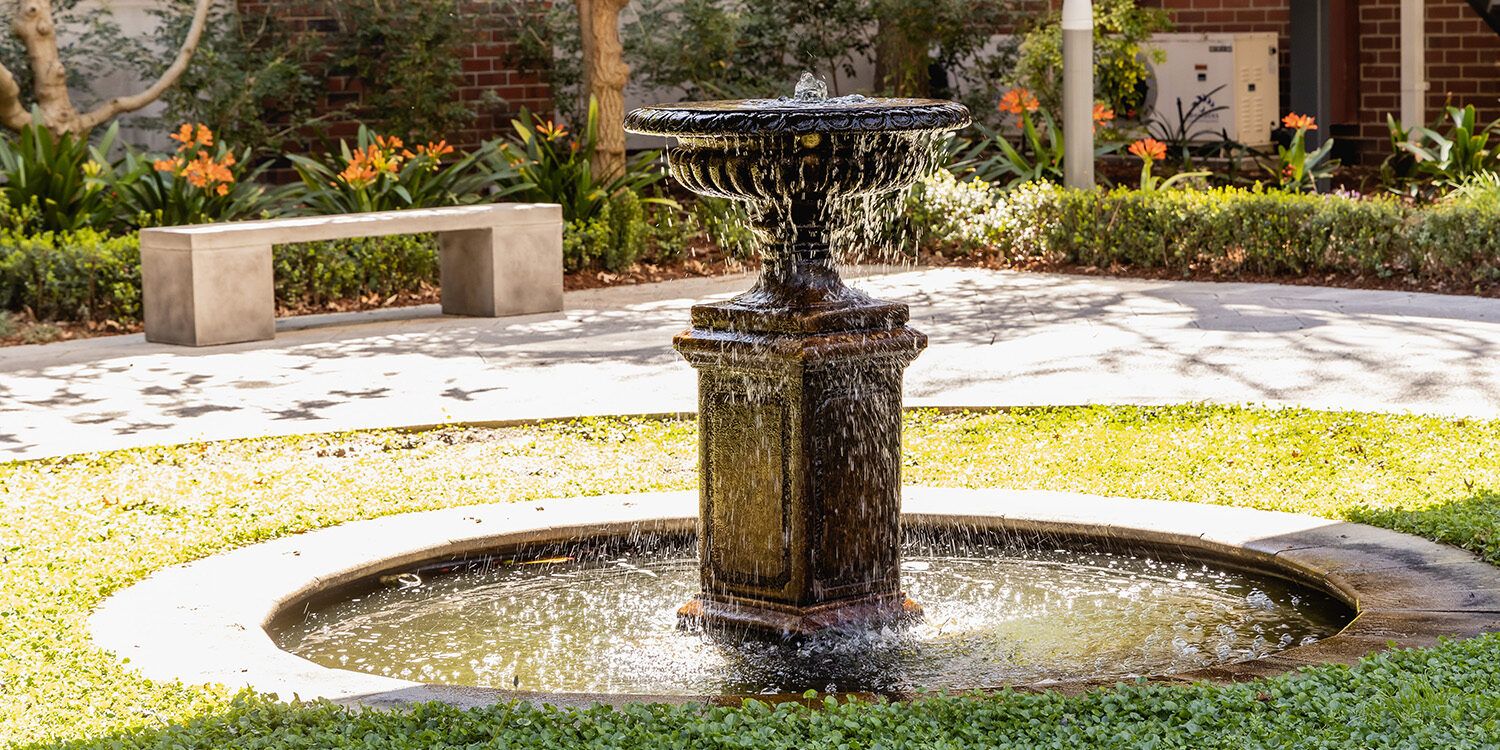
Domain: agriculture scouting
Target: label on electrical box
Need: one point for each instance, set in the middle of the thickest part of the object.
(1221, 48)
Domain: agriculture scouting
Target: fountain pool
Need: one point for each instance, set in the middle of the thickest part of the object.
(601, 617)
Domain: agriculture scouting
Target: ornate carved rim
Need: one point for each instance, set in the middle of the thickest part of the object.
(205, 621)
(749, 118)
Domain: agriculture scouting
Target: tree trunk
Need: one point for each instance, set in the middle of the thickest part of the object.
(901, 61)
(34, 25)
(604, 77)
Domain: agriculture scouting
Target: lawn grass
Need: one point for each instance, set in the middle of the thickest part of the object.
(74, 530)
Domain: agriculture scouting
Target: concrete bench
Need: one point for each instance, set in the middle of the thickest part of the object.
(207, 284)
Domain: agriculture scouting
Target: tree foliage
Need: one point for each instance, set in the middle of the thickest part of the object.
(36, 27)
(1120, 30)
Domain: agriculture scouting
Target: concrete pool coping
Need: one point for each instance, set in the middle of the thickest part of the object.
(205, 621)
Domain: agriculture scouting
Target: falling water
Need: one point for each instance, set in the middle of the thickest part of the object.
(603, 619)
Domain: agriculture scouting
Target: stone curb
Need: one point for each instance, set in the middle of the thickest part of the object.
(204, 622)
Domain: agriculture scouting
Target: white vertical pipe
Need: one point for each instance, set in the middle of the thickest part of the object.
(1078, 93)
(1413, 63)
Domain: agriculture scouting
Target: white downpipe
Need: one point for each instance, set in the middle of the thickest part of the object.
(1078, 93)
(1413, 63)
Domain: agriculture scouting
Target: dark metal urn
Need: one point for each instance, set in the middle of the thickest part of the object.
(800, 377)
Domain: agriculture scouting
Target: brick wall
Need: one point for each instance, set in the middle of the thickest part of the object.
(491, 65)
(1463, 56)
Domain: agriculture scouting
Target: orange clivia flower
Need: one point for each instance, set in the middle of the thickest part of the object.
(435, 150)
(189, 135)
(184, 134)
(1103, 113)
(167, 165)
(1149, 149)
(1019, 100)
(550, 130)
(1299, 122)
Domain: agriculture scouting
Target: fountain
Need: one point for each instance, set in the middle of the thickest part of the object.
(800, 377)
(795, 534)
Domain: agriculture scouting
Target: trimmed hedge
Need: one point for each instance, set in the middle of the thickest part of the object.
(1222, 231)
(83, 275)
(87, 275)
(316, 273)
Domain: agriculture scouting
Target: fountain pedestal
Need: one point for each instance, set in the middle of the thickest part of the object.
(799, 378)
(801, 475)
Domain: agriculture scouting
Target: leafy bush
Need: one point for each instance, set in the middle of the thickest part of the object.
(959, 215)
(1425, 163)
(316, 273)
(1296, 169)
(1226, 231)
(612, 239)
(727, 224)
(552, 166)
(251, 81)
(48, 185)
(81, 275)
(88, 275)
(1120, 28)
(202, 183)
(407, 54)
(381, 174)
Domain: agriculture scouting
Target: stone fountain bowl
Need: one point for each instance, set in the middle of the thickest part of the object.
(770, 149)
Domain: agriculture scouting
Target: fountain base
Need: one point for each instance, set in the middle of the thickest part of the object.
(737, 615)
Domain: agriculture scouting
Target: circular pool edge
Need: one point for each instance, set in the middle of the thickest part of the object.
(205, 621)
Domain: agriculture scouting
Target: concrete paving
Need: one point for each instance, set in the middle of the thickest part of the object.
(997, 338)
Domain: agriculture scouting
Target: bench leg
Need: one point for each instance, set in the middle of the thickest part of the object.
(491, 273)
(208, 297)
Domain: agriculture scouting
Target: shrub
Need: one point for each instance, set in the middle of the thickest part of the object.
(252, 80)
(1222, 231)
(552, 166)
(203, 182)
(961, 216)
(611, 240)
(50, 183)
(82, 275)
(1120, 30)
(407, 54)
(1460, 237)
(381, 174)
(727, 224)
(316, 273)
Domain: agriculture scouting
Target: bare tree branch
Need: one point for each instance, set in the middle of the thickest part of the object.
(34, 25)
(13, 114)
(122, 104)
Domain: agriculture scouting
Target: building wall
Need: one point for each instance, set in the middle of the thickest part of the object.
(1463, 56)
(491, 64)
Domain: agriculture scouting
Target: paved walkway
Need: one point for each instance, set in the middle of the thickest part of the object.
(997, 338)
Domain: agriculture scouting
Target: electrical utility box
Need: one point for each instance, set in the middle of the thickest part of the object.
(1239, 72)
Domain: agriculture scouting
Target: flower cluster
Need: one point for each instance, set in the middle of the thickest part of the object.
(197, 162)
(385, 155)
(1299, 122)
(1103, 115)
(1149, 150)
(1019, 102)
